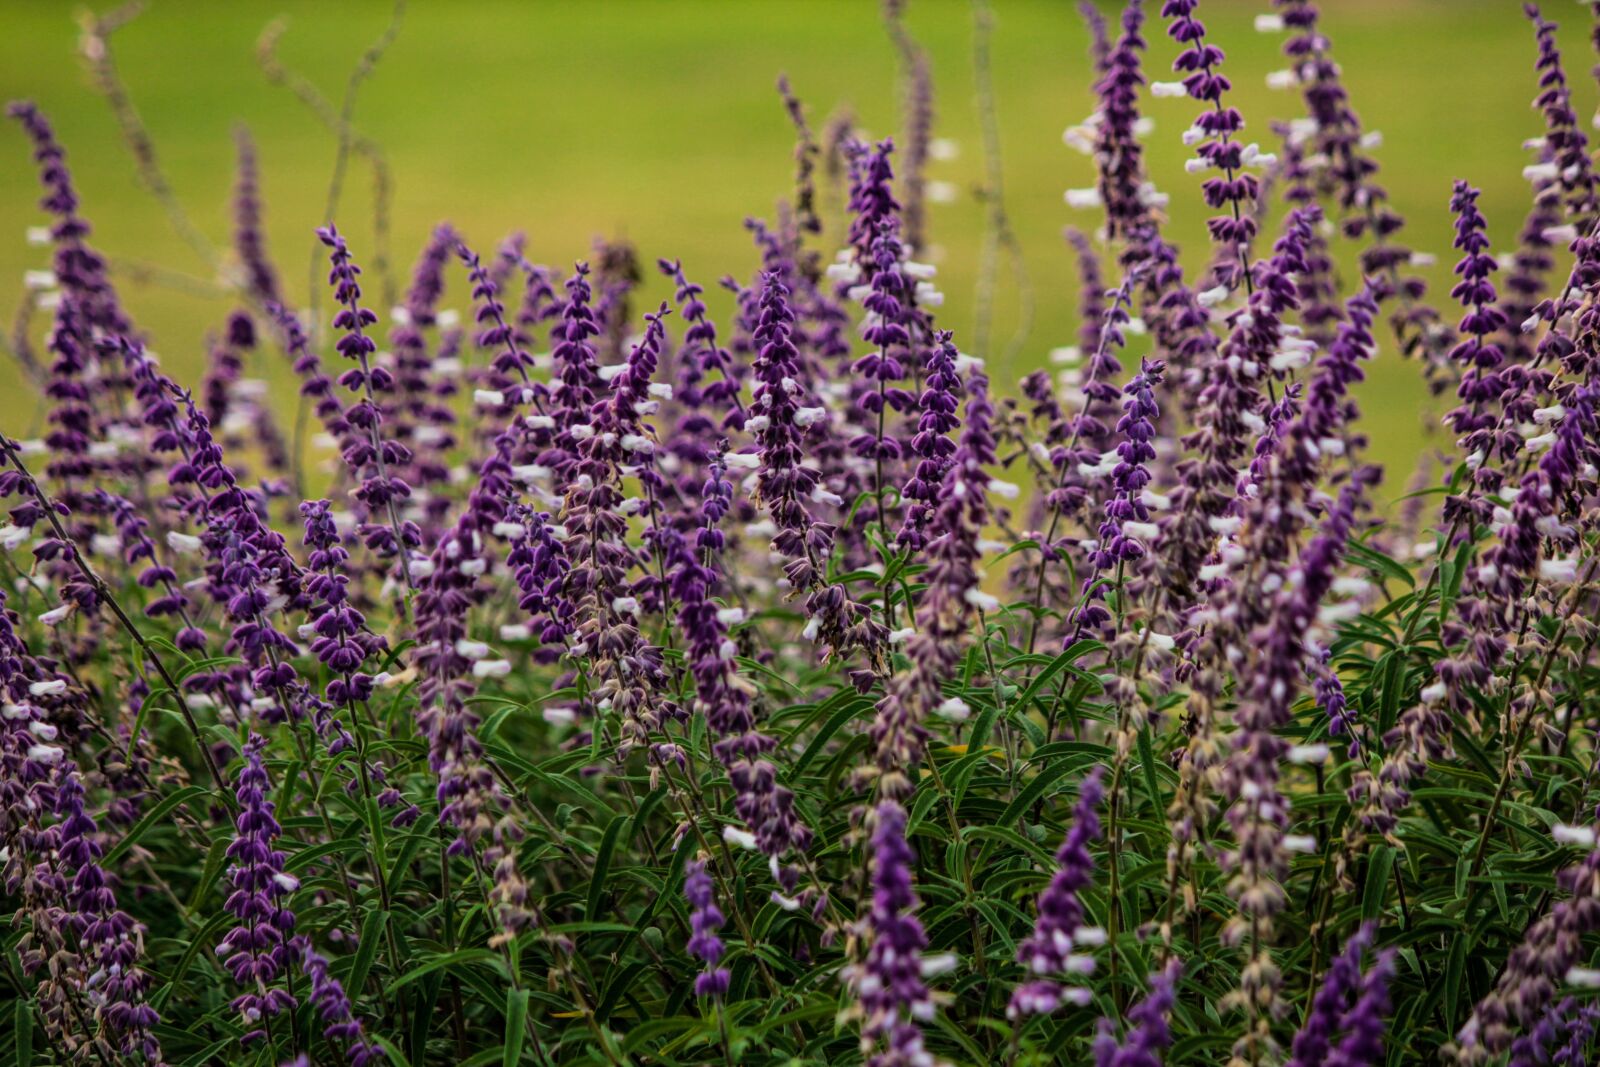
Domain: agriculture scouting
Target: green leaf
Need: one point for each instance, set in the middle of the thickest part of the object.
(1034, 790)
(205, 939)
(1057, 665)
(980, 729)
(22, 1024)
(616, 987)
(449, 959)
(1391, 667)
(392, 1050)
(761, 668)
(1454, 973)
(602, 865)
(409, 848)
(1147, 764)
(962, 1038)
(423, 1014)
(516, 1025)
(160, 811)
(209, 1053)
(832, 726)
(1376, 890)
(146, 707)
(371, 933)
(1378, 563)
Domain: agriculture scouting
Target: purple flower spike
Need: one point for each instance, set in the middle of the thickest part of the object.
(892, 996)
(952, 603)
(1364, 1023)
(1234, 193)
(256, 951)
(1314, 1039)
(1549, 948)
(1119, 157)
(705, 921)
(369, 456)
(329, 999)
(261, 278)
(787, 486)
(1049, 950)
(1126, 528)
(700, 355)
(1478, 354)
(85, 953)
(932, 444)
(1148, 1032)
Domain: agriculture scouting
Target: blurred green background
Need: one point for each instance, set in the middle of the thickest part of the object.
(658, 121)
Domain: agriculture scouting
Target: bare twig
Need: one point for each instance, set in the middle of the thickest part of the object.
(96, 48)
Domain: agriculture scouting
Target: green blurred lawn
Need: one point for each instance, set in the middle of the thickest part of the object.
(658, 121)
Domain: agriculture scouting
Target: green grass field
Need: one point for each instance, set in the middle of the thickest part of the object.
(658, 121)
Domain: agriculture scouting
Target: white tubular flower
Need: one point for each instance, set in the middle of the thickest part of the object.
(186, 544)
(742, 838)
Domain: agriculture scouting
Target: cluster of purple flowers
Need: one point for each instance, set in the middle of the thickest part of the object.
(890, 982)
(257, 950)
(1049, 952)
(706, 921)
(554, 633)
(369, 455)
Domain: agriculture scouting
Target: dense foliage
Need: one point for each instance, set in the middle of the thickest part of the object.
(633, 687)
